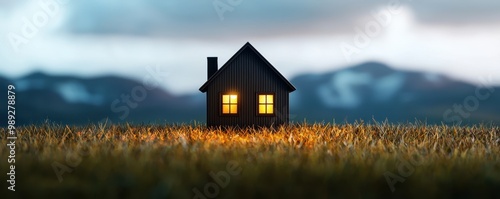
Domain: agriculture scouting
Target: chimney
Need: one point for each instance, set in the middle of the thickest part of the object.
(211, 66)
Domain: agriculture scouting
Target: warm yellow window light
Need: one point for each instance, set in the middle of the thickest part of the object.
(266, 104)
(230, 104)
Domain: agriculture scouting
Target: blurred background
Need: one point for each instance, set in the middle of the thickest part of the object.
(80, 62)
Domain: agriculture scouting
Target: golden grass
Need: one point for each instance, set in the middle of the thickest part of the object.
(297, 161)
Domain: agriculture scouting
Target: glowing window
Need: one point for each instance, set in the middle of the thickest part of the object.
(230, 104)
(266, 104)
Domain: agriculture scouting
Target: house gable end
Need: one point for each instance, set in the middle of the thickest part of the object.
(229, 63)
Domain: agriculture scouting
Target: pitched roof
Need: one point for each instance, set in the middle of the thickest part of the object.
(204, 87)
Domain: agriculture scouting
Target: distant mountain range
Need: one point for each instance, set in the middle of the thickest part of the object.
(366, 91)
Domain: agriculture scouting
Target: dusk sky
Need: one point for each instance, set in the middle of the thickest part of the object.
(460, 39)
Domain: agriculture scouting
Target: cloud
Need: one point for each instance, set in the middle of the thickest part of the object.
(453, 12)
(94, 37)
(199, 19)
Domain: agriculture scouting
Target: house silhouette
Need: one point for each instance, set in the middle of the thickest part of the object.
(247, 91)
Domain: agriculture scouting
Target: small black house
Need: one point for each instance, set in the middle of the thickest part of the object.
(246, 91)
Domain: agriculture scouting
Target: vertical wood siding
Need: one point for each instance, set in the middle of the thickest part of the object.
(247, 75)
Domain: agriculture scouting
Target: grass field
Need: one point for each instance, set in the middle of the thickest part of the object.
(299, 161)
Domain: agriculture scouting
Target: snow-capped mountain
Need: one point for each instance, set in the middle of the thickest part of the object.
(373, 90)
(366, 91)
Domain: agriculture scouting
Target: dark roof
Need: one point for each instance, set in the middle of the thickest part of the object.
(204, 87)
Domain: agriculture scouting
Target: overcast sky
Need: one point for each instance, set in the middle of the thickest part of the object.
(458, 38)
